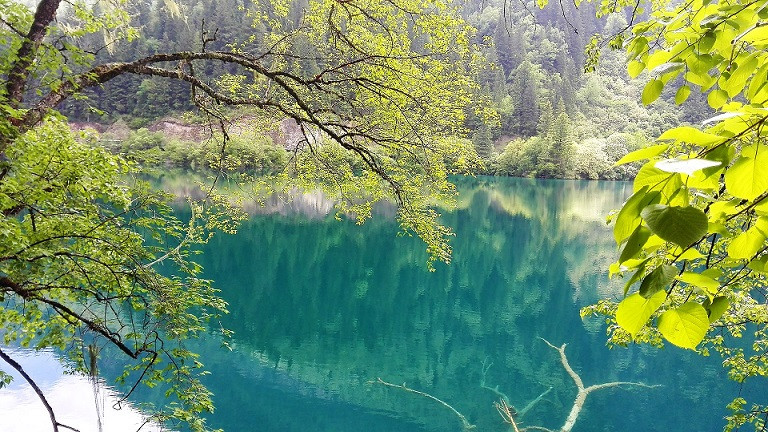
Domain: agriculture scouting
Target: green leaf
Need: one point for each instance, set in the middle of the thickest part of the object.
(746, 244)
(685, 326)
(717, 98)
(706, 283)
(685, 166)
(680, 225)
(634, 311)
(635, 68)
(716, 308)
(643, 153)
(738, 79)
(657, 280)
(651, 176)
(628, 218)
(652, 91)
(747, 178)
(635, 243)
(759, 265)
(691, 135)
(682, 94)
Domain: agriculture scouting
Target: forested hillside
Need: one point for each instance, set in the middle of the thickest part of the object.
(552, 119)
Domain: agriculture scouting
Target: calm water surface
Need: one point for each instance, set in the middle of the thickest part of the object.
(320, 308)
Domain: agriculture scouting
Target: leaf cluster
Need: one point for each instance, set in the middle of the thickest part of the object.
(694, 234)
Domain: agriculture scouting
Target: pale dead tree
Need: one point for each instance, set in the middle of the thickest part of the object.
(508, 412)
(581, 395)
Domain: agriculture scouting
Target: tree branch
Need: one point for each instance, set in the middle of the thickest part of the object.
(581, 395)
(14, 364)
(467, 425)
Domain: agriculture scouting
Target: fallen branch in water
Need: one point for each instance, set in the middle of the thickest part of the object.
(504, 406)
(583, 391)
(495, 389)
(465, 423)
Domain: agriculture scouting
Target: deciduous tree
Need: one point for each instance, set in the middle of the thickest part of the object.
(81, 239)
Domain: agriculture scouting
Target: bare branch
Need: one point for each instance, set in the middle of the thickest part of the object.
(581, 396)
(467, 425)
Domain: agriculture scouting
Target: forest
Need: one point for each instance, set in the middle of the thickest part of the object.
(551, 119)
(387, 110)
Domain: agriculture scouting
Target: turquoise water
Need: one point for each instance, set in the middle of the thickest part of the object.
(321, 308)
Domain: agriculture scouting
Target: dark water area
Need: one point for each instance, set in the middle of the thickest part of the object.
(321, 308)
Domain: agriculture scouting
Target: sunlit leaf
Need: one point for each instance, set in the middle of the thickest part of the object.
(643, 153)
(634, 243)
(747, 178)
(652, 91)
(691, 135)
(706, 283)
(717, 98)
(685, 166)
(685, 326)
(628, 218)
(634, 311)
(682, 94)
(717, 308)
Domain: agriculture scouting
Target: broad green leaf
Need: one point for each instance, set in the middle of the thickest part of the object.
(657, 280)
(706, 283)
(643, 153)
(746, 244)
(703, 80)
(634, 311)
(717, 98)
(657, 58)
(685, 254)
(685, 326)
(635, 68)
(635, 243)
(651, 177)
(682, 94)
(685, 166)
(680, 225)
(738, 79)
(720, 210)
(716, 308)
(757, 84)
(747, 178)
(652, 91)
(628, 218)
(691, 135)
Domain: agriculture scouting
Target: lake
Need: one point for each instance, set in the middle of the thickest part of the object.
(321, 309)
